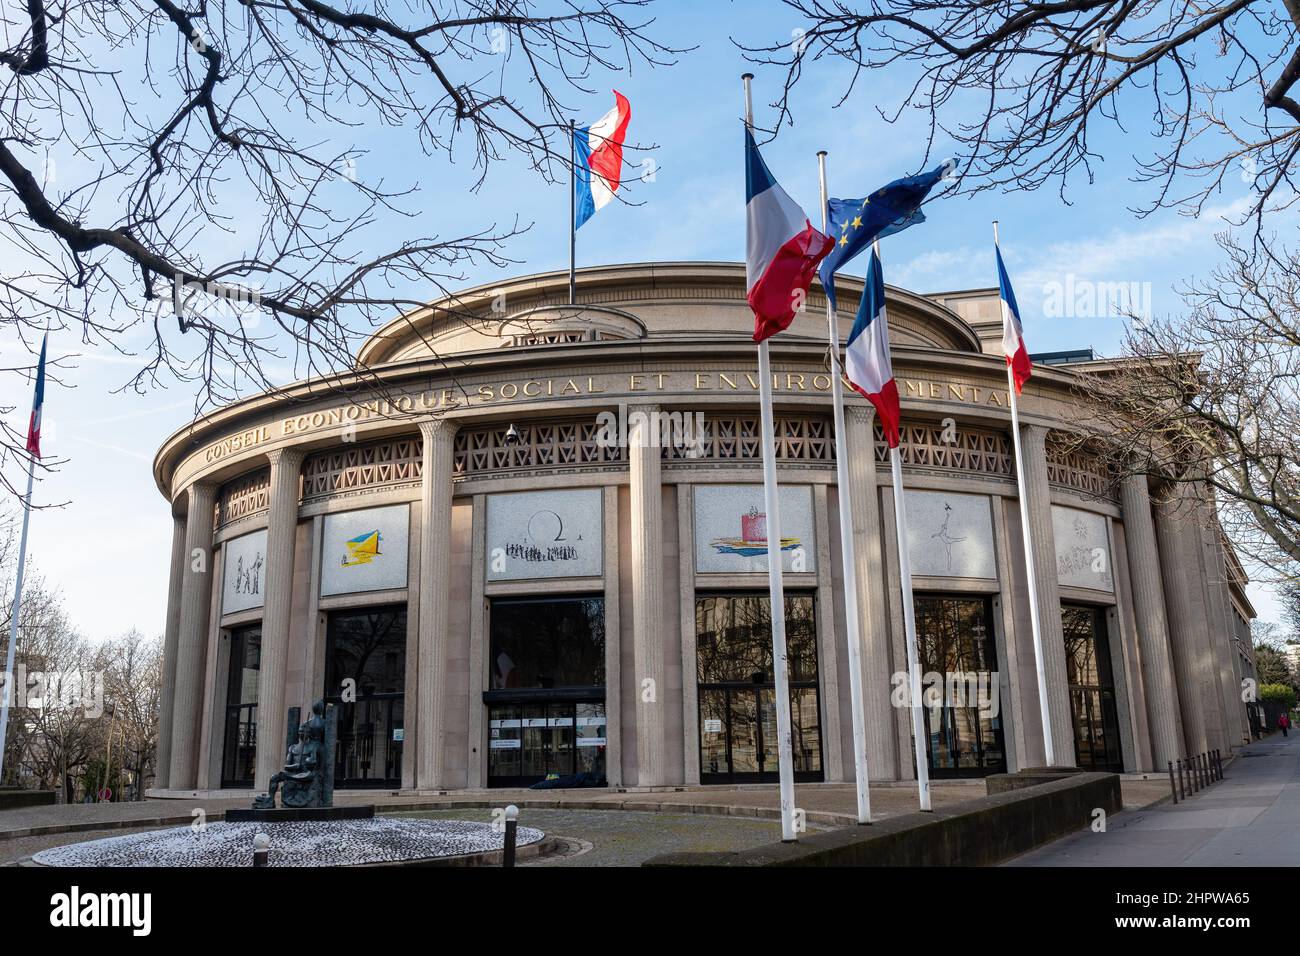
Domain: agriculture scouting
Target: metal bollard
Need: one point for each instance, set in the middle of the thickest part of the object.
(1173, 790)
(1205, 760)
(512, 825)
(261, 850)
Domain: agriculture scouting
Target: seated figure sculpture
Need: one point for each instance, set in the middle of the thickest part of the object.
(302, 781)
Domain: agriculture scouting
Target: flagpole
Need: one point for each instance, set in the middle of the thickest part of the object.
(909, 618)
(1027, 537)
(573, 213)
(775, 587)
(849, 559)
(7, 697)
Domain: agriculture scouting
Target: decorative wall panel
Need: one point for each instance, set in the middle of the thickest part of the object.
(731, 529)
(545, 534)
(1082, 549)
(950, 535)
(365, 550)
(244, 573)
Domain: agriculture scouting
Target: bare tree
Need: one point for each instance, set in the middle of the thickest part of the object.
(132, 690)
(1019, 87)
(1214, 396)
(185, 180)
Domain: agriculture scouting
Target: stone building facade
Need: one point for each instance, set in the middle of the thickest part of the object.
(527, 541)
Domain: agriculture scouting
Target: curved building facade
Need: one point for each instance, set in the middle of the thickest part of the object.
(529, 542)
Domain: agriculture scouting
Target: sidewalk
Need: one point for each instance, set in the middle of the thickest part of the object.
(1250, 818)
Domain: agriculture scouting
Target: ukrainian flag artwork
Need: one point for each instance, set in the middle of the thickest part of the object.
(362, 549)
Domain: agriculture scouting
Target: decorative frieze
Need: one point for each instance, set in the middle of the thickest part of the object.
(949, 447)
(388, 464)
(1070, 466)
(244, 497)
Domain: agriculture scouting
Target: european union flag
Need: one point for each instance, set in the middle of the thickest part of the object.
(856, 223)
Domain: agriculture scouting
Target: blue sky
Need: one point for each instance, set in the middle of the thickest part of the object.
(108, 548)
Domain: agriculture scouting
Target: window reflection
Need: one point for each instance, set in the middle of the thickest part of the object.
(1092, 688)
(239, 757)
(737, 695)
(963, 714)
(365, 651)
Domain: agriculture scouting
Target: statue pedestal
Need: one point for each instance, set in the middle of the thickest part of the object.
(300, 814)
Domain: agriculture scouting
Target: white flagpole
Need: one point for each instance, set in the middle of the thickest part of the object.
(849, 572)
(1044, 710)
(919, 739)
(7, 697)
(775, 589)
(573, 214)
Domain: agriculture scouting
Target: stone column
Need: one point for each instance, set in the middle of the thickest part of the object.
(167, 693)
(1183, 643)
(1038, 491)
(277, 602)
(1153, 630)
(1216, 625)
(873, 623)
(647, 595)
(439, 436)
(192, 636)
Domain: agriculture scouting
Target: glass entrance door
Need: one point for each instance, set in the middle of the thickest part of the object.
(963, 714)
(1092, 688)
(365, 679)
(546, 703)
(539, 741)
(239, 757)
(737, 694)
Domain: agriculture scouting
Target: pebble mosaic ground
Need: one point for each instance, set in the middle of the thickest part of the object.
(338, 843)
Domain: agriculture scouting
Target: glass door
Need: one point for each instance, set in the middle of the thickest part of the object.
(239, 756)
(365, 680)
(737, 692)
(963, 715)
(1092, 688)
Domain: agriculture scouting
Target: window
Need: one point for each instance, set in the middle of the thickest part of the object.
(365, 651)
(546, 705)
(959, 673)
(1092, 688)
(737, 691)
(239, 756)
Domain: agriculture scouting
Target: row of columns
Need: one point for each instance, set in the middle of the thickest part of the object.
(1180, 608)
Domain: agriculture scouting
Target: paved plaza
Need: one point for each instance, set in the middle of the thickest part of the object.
(621, 828)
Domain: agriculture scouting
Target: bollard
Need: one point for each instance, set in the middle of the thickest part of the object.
(1182, 783)
(1218, 763)
(261, 850)
(1173, 791)
(512, 824)
(1205, 768)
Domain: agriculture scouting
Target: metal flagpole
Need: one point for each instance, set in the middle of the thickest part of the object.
(573, 213)
(775, 588)
(909, 619)
(7, 696)
(1030, 578)
(849, 573)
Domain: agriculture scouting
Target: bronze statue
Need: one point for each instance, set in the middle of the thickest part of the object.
(307, 779)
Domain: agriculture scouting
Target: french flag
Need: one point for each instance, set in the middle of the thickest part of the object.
(867, 364)
(38, 402)
(1013, 335)
(598, 149)
(783, 248)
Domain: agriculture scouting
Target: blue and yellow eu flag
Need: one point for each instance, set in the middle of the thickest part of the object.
(856, 223)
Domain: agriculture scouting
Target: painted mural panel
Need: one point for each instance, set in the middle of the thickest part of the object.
(244, 584)
(365, 550)
(731, 529)
(545, 534)
(950, 535)
(1082, 549)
